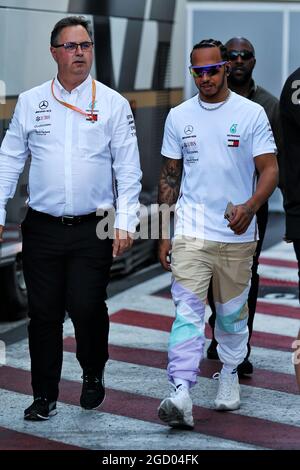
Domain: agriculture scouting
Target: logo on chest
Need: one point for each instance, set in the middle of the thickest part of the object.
(233, 139)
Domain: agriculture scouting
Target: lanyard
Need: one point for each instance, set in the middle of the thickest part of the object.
(90, 116)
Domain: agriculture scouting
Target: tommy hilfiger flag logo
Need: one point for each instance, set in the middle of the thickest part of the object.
(92, 117)
(233, 143)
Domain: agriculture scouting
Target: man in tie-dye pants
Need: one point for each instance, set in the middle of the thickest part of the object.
(213, 146)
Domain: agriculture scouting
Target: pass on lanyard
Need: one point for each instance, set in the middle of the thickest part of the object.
(90, 116)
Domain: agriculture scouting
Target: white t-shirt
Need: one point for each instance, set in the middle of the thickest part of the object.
(218, 148)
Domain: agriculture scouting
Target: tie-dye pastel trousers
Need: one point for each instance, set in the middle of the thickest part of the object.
(194, 262)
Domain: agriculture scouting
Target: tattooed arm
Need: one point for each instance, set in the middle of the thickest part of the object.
(169, 181)
(168, 192)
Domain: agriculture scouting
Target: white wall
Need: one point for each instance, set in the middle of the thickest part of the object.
(50, 5)
(24, 54)
(178, 47)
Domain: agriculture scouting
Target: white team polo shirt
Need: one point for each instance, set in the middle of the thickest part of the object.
(218, 148)
(72, 159)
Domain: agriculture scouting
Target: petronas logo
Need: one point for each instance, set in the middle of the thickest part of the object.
(233, 128)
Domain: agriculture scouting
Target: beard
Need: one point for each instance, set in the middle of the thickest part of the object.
(240, 79)
(216, 89)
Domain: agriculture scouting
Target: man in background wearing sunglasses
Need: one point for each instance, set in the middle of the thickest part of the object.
(81, 137)
(242, 58)
(217, 140)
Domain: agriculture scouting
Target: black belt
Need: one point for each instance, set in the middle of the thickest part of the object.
(65, 219)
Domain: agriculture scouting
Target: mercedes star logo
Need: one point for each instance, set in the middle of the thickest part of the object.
(43, 104)
(188, 130)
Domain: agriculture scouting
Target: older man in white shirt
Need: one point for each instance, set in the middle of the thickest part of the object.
(84, 157)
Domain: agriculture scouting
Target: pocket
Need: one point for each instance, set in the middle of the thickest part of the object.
(249, 249)
(91, 138)
(254, 248)
(178, 249)
(24, 221)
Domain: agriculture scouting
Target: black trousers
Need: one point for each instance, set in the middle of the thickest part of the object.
(66, 268)
(262, 220)
(296, 244)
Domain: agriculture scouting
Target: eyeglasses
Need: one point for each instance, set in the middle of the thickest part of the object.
(244, 54)
(73, 46)
(212, 69)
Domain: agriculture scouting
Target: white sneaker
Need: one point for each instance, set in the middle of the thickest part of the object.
(176, 410)
(228, 396)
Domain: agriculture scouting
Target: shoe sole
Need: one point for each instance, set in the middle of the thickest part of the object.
(93, 407)
(244, 374)
(168, 413)
(224, 407)
(37, 417)
(247, 371)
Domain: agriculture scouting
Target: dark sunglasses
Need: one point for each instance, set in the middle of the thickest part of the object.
(244, 54)
(199, 71)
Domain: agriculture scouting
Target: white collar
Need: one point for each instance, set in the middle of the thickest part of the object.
(79, 88)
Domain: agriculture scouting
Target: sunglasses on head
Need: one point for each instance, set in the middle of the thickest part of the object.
(212, 69)
(244, 54)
